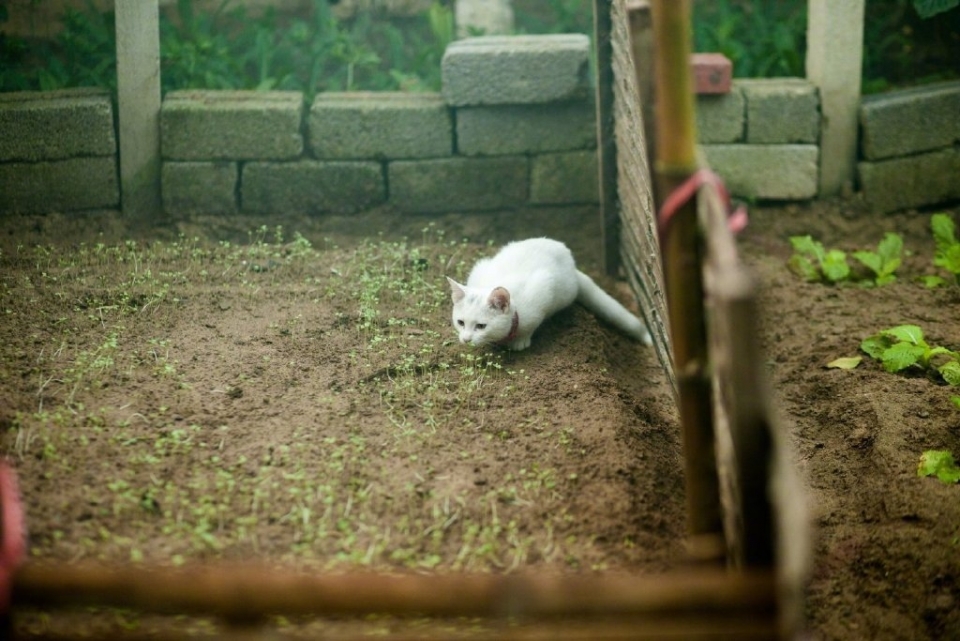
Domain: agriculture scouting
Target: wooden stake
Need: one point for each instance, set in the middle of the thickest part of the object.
(682, 265)
(245, 593)
(641, 40)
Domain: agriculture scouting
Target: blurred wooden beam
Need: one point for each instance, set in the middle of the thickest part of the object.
(250, 592)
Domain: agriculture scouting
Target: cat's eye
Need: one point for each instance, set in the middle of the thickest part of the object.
(459, 323)
(481, 325)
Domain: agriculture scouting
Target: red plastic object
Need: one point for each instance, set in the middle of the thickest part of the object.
(12, 534)
(712, 73)
(738, 217)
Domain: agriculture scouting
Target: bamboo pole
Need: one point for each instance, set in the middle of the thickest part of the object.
(682, 260)
(250, 593)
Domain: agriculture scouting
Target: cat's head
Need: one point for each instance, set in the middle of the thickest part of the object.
(480, 316)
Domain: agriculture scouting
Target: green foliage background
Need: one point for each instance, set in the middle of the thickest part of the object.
(230, 48)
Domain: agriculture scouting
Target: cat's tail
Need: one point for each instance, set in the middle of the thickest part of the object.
(591, 296)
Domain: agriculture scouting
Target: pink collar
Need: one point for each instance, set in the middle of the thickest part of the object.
(514, 330)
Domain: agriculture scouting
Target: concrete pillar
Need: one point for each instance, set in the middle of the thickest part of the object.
(138, 98)
(834, 60)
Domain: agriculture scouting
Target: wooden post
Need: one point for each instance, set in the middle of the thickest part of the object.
(834, 59)
(606, 138)
(682, 255)
(641, 32)
(138, 98)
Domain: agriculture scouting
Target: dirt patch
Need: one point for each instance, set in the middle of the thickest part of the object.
(887, 562)
(204, 391)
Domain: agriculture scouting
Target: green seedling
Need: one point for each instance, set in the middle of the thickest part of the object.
(947, 253)
(817, 264)
(939, 463)
(903, 347)
(885, 261)
(812, 262)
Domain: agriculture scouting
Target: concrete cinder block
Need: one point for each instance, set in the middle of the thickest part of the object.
(458, 184)
(390, 125)
(311, 187)
(720, 118)
(59, 185)
(518, 129)
(774, 172)
(231, 125)
(53, 125)
(199, 187)
(910, 121)
(564, 178)
(499, 70)
(781, 111)
(911, 181)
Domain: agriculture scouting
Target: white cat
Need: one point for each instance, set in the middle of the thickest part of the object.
(507, 296)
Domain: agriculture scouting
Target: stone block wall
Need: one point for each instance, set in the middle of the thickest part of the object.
(763, 137)
(514, 125)
(909, 147)
(58, 151)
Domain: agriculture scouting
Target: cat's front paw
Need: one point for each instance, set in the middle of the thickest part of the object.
(519, 344)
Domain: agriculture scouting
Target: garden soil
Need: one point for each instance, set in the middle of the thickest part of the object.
(568, 458)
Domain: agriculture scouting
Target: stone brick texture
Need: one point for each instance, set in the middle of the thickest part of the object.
(513, 125)
(900, 123)
(459, 184)
(508, 70)
(199, 187)
(769, 172)
(382, 125)
(311, 186)
(518, 129)
(908, 141)
(53, 125)
(59, 185)
(231, 125)
(58, 151)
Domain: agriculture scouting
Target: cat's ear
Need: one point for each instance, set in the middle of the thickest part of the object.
(499, 299)
(456, 290)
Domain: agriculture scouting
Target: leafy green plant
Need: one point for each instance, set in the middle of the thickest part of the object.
(761, 39)
(930, 8)
(885, 261)
(903, 347)
(814, 263)
(903, 47)
(941, 464)
(947, 252)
